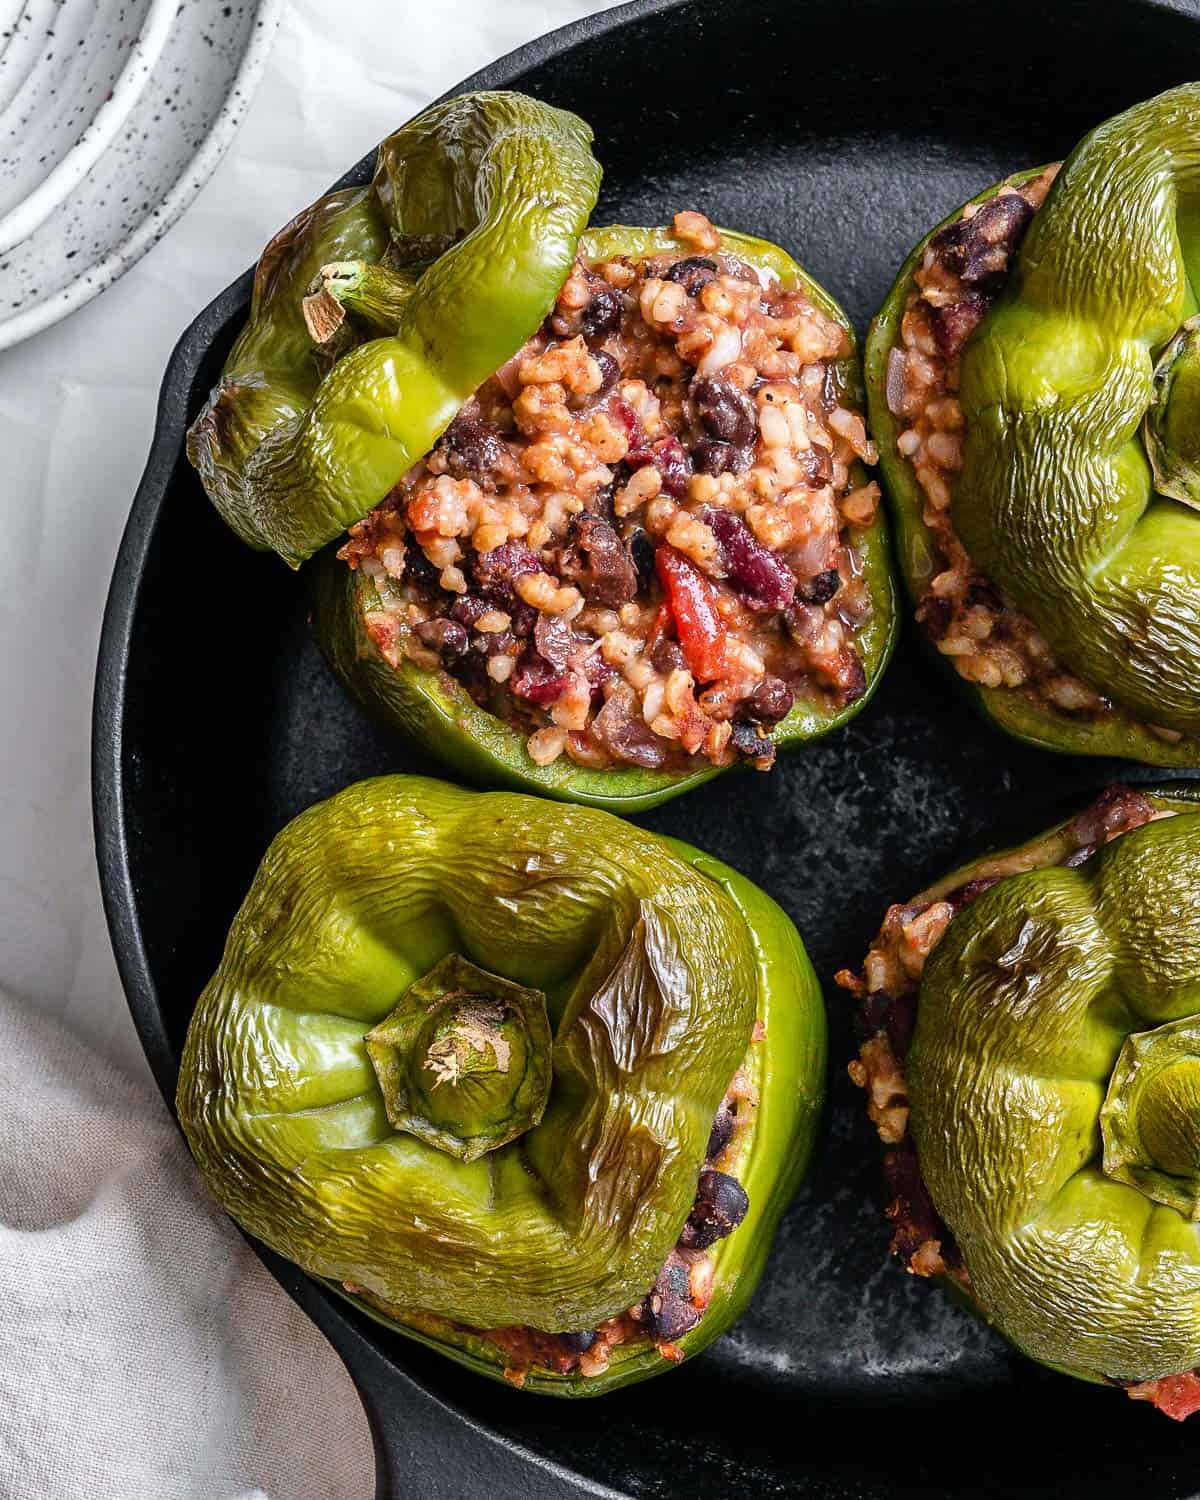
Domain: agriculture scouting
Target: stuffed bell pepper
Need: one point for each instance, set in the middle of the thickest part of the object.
(598, 515)
(1034, 388)
(526, 1082)
(1031, 1054)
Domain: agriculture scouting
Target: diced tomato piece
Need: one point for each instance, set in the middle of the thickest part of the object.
(1176, 1395)
(698, 622)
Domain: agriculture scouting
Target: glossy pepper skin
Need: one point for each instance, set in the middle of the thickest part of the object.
(1057, 501)
(432, 709)
(652, 962)
(478, 203)
(1067, 1173)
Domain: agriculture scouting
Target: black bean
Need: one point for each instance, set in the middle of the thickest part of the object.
(666, 655)
(727, 413)
(446, 636)
(721, 1205)
(977, 249)
(496, 571)
(693, 273)
(668, 1312)
(596, 561)
(770, 701)
(495, 642)
(934, 616)
(722, 1131)
(418, 569)
(820, 588)
(473, 449)
(641, 550)
(469, 609)
(579, 1343)
(750, 743)
(602, 315)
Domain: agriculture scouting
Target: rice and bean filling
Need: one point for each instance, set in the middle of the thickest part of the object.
(886, 995)
(633, 543)
(963, 271)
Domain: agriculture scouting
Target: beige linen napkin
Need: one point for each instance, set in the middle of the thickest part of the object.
(144, 1352)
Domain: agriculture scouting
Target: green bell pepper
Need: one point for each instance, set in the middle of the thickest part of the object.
(1069, 496)
(463, 1053)
(477, 205)
(1052, 1081)
(436, 712)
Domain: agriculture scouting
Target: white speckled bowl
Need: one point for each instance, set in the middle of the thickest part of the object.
(113, 113)
(69, 76)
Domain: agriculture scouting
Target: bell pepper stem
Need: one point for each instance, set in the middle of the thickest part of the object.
(375, 294)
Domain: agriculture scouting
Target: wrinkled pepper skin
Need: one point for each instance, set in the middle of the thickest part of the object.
(1056, 500)
(654, 961)
(481, 200)
(434, 711)
(1030, 1010)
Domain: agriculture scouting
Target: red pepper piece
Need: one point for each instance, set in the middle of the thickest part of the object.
(698, 622)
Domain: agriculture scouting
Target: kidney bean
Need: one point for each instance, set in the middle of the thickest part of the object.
(668, 458)
(762, 579)
(537, 680)
(711, 457)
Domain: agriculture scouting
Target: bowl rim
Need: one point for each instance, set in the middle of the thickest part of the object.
(19, 221)
(98, 277)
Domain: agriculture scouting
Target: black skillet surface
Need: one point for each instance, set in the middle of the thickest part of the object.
(843, 132)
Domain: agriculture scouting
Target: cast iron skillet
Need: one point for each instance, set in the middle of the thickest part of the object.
(843, 131)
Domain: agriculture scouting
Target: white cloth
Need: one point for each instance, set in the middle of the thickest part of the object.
(143, 1350)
